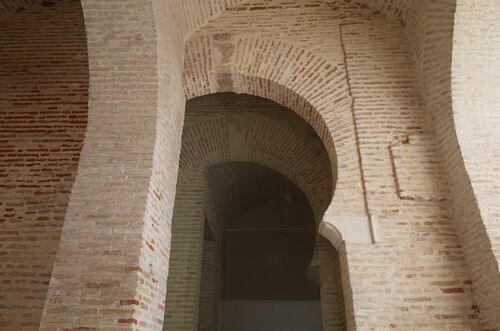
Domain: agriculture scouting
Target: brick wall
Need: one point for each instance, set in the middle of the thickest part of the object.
(428, 26)
(209, 287)
(388, 108)
(431, 36)
(118, 218)
(229, 127)
(332, 296)
(388, 111)
(343, 66)
(185, 269)
(253, 129)
(43, 116)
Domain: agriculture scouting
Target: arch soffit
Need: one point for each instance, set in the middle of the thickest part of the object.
(264, 155)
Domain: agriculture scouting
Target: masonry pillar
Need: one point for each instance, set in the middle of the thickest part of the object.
(209, 289)
(183, 285)
(108, 273)
(332, 299)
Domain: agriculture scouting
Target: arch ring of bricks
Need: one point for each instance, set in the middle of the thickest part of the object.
(322, 100)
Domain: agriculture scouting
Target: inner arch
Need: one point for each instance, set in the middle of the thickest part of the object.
(327, 107)
(268, 239)
(245, 158)
(225, 127)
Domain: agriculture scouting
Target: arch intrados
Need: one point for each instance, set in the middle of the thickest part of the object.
(296, 176)
(322, 134)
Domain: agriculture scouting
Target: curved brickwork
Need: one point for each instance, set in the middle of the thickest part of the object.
(429, 29)
(474, 90)
(388, 108)
(228, 127)
(328, 103)
(231, 188)
(135, 74)
(237, 49)
(108, 271)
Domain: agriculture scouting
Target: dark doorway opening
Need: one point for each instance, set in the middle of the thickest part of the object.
(267, 248)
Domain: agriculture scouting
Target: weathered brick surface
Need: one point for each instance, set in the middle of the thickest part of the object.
(209, 289)
(184, 280)
(43, 116)
(332, 296)
(417, 180)
(430, 30)
(114, 217)
(288, 88)
(344, 66)
(476, 101)
(225, 128)
(387, 108)
(229, 127)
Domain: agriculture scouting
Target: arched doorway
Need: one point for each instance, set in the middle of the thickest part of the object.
(267, 279)
(267, 246)
(254, 183)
